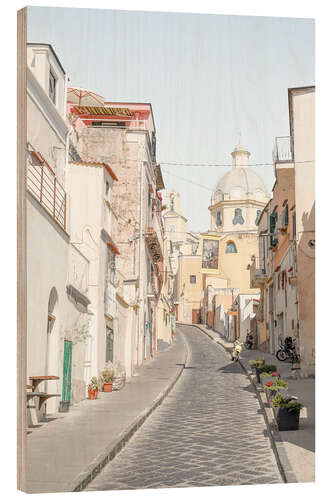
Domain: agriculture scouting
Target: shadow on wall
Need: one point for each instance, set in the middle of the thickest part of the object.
(306, 290)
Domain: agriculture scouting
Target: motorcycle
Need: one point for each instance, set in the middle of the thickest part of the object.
(249, 341)
(238, 346)
(287, 350)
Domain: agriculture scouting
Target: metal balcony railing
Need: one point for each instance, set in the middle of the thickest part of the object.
(44, 186)
(283, 150)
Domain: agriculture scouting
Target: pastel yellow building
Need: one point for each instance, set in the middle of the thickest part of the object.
(223, 254)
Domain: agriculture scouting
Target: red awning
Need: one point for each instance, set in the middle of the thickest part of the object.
(113, 248)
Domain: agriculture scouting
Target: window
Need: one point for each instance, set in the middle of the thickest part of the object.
(172, 202)
(111, 266)
(193, 278)
(231, 247)
(108, 124)
(258, 217)
(238, 218)
(272, 223)
(286, 215)
(52, 87)
(279, 281)
(153, 144)
(109, 345)
(107, 187)
(294, 225)
(218, 219)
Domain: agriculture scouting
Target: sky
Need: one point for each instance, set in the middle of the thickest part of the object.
(208, 78)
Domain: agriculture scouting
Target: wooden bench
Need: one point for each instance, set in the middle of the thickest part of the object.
(35, 409)
(43, 396)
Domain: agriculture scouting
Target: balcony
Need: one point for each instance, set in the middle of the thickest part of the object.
(154, 240)
(257, 273)
(283, 150)
(43, 185)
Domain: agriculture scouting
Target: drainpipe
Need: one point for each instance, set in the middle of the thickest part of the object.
(139, 264)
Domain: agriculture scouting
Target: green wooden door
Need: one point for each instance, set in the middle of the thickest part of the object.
(67, 371)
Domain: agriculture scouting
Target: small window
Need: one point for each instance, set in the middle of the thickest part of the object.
(218, 219)
(238, 217)
(107, 187)
(279, 281)
(109, 345)
(294, 225)
(231, 247)
(193, 278)
(52, 87)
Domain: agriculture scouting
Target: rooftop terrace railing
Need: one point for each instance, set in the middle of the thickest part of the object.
(45, 188)
(283, 149)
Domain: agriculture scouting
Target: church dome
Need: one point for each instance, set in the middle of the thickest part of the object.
(240, 184)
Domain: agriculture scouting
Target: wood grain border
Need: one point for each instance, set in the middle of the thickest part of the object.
(21, 246)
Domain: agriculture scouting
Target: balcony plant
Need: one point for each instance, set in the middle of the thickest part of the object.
(107, 377)
(93, 388)
(287, 412)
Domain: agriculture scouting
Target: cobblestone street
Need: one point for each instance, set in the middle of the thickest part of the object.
(208, 431)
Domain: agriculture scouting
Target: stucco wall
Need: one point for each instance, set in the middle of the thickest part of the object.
(190, 294)
(47, 258)
(304, 151)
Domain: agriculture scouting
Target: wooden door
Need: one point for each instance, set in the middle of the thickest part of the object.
(67, 371)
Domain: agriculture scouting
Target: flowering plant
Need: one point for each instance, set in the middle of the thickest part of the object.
(93, 386)
(290, 403)
(269, 384)
(275, 374)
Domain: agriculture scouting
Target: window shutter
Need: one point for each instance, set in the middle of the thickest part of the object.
(272, 224)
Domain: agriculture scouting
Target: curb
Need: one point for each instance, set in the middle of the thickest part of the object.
(282, 461)
(84, 478)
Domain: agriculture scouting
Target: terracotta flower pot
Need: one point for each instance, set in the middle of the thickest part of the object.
(107, 387)
(92, 394)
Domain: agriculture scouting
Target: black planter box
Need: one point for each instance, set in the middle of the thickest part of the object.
(64, 406)
(287, 420)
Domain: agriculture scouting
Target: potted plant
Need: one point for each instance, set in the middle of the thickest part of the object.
(93, 388)
(256, 365)
(268, 373)
(107, 376)
(272, 387)
(287, 412)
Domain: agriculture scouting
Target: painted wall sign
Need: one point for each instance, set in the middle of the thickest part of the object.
(210, 254)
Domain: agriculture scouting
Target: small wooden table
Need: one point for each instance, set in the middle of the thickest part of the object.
(37, 379)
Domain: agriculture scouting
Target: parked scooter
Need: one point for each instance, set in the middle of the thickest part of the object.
(249, 341)
(238, 346)
(287, 350)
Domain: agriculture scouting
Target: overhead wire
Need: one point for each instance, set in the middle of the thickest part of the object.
(229, 164)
